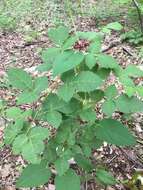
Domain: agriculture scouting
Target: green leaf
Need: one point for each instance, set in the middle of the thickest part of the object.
(76, 149)
(133, 71)
(96, 95)
(49, 54)
(27, 98)
(67, 61)
(130, 91)
(68, 76)
(106, 30)
(32, 150)
(19, 143)
(69, 42)
(103, 73)
(54, 118)
(126, 81)
(80, 81)
(61, 166)
(71, 139)
(84, 162)
(111, 92)
(31, 145)
(48, 57)
(54, 103)
(114, 132)
(95, 47)
(106, 61)
(69, 181)
(86, 150)
(11, 131)
(44, 67)
(40, 84)
(98, 143)
(90, 60)
(58, 35)
(91, 36)
(20, 79)
(39, 133)
(34, 175)
(13, 112)
(26, 113)
(35, 145)
(108, 107)
(63, 133)
(127, 104)
(88, 115)
(139, 90)
(87, 81)
(105, 177)
(50, 154)
(66, 91)
(114, 26)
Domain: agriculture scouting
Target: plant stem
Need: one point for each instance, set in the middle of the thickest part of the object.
(81, 7)
(71, 16)
(139, 14)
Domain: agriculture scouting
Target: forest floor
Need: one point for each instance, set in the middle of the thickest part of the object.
(14, 51)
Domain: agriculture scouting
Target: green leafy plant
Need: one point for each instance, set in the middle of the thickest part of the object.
(112, 26)
(69, 108)
(133, 37)
(6, 22)
(31, 35)
(137, 6)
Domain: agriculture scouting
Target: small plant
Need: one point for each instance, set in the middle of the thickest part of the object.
(75, 129)
(133, 37)
(31, 35)
(136, 182)
(6, 22)
(112, 26)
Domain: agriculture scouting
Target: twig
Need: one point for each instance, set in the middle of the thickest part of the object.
(7, 155)
(113, 158)
(86, 185)
(27, 44)
(71, 16)
(113, 44)
(130, 158)
(127, 51)
(140, 142)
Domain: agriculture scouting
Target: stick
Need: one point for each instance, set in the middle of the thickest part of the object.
(130, 158)
(113, 44)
